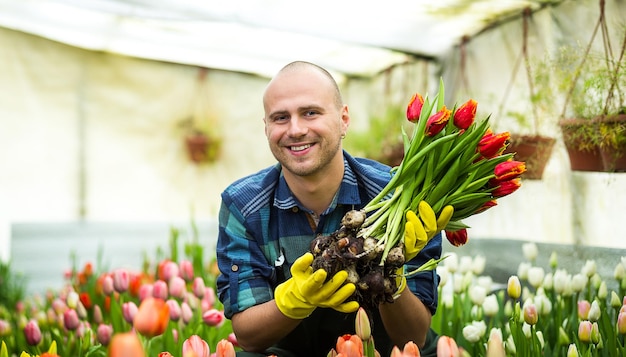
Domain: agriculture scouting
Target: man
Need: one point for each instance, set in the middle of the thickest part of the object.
(268, 219)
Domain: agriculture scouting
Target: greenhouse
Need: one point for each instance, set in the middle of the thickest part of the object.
(141, 115)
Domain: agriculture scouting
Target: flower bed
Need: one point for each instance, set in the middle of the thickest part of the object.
(169, 308)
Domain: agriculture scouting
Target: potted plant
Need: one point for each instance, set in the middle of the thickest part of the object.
(531, 143)
(201, 144)
(593, 121)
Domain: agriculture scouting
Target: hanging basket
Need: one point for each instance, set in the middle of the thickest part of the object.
(584, 153)
(201, 148)
(534, 150)
(612, 130)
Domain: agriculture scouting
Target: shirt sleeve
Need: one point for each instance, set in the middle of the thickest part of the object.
(425, 284)
(246, 278)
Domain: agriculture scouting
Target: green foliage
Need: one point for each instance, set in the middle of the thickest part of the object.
(12, 286)
(382, 140)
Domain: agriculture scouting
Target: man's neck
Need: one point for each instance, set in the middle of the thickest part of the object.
(317, 192)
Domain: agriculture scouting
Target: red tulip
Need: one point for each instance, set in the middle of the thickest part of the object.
(492, 145)
(438, 121)
(465, 114)
(457, 238)
(152, 317)
(414, 108)
(506, 188)
(509, 170)
(487, 205)
(126, 344)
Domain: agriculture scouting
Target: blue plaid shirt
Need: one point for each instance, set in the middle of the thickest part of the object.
(258, 212)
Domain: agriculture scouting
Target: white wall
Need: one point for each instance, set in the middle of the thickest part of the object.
(136, 169)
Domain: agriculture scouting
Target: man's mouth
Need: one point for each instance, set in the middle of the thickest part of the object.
(300, 148)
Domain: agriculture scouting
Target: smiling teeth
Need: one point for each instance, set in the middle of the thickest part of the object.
(300, 148)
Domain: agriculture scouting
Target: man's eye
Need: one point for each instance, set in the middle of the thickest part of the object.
(280, 118)
(310, 113)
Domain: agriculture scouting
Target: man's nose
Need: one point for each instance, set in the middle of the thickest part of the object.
(297, 127)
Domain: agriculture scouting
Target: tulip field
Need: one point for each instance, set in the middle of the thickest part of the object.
(169, 308)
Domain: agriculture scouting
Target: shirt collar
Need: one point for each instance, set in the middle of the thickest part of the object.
(348, 193)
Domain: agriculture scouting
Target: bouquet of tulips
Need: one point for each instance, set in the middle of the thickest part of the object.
(449, 160)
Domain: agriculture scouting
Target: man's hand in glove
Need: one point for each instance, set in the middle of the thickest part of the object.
(419, 230)
(306, 290)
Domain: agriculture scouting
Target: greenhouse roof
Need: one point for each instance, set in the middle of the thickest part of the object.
(351, 37)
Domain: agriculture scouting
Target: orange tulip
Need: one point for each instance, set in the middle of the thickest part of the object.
(225, 348)
(350, 345)
(414, 108)
(411, 350)
(126, 344)
(152, 317)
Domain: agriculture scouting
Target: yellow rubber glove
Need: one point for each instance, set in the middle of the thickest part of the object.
(306, 290)
(419, 230)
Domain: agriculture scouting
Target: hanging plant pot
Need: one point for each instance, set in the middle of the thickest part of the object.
(582, 149)
(534, 150)
(612, 132)
(200, 147)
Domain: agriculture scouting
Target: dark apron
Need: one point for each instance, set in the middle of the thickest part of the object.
(316, 335)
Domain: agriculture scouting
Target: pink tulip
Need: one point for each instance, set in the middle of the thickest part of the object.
(186, 312)
(70, 319)
(177, 287)
(232, 338)
(186, 270)
(32, 333)
(175, 309)
(530, 314)
(145, 291)
(107, 285)
(170, 270)
(196, 345)
(160, 290)
(104, 334)
(583, 309)
(621, 323)
(97, 314)
(447, 347)
(129, 310)
(121, 280)
(198, 287)
(213, 317)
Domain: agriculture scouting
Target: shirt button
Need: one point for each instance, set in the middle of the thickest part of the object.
(234, 267)
(294, 209)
